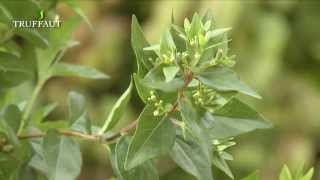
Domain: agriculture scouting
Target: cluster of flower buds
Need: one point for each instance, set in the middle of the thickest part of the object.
(168, 59)
(222, 145)
(157, 104)
(4, 145)
(205, 97)
(222, 59)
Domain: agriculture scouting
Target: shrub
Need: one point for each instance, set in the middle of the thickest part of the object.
(186, 82)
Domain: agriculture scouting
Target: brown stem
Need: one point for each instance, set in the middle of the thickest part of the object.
(98, 138)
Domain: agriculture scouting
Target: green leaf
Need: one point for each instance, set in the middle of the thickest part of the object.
(10, 121)
(37, 161)
(195, 26)
(167, 45)
(285, 173)
(217, 32)
(208, 17)
(144, 171)
(71, 70)
(190, 156)
(42, 112)
(155, 48)
(74, 5)
(220, 163)
(62, 155)
(193, 124)
(138, 42)
(8, 166)
(223, 79)
(155, 79)
(77, 105)
(154, 136)
(233, 119)
(12, 71)
(143, 91)
(253, 176)
(34, 37)
(179, 37)
(77, 113)
(170, 72)
(308, 175)
(117, 110)
(60, 38)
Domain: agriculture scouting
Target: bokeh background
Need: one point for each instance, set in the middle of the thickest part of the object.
(277, 44)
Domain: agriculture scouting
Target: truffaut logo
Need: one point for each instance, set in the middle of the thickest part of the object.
(39, 23)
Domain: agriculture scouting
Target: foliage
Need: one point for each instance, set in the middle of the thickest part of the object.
(286, 174)
(191, 110)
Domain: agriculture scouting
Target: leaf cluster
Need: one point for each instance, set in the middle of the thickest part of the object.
(191, 111)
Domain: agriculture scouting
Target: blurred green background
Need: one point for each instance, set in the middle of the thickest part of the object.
(277, 44)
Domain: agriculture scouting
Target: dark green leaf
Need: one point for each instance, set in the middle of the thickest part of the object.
(143, 91)
(70, 70)
(77, 113)
(34, 37)
(220, 163)
(12, 71)
(138, 42)
(170, 72)
(144, 171)
(60, 38)
(154, 136)
(190, 156)
(217, 32)
(223, 79)
(192, 119)
(62, 155)
(208, 17)
(233, 119)
(195, 26)
(11, 121)
(179, 37)
(118, 109)
(41, 113)
(155, 79)
(167, 45)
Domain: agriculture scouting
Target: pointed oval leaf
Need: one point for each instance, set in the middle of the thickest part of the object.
(233, 119)
(71, 70)
(154, 136)
(143, 171)
(62, 155)
(223, 79)
(190, 156)
(118, 109)
(12, 71)
(78, 116)
(285, 173)
(11, 122)
(138, 42)
(155, 79)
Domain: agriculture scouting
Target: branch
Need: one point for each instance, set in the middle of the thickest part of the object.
(99, 138)
(88, 137)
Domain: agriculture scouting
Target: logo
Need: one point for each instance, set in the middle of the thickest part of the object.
(40, 22)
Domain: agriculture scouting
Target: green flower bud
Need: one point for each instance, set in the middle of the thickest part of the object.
(156, 113)
(7, 148)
